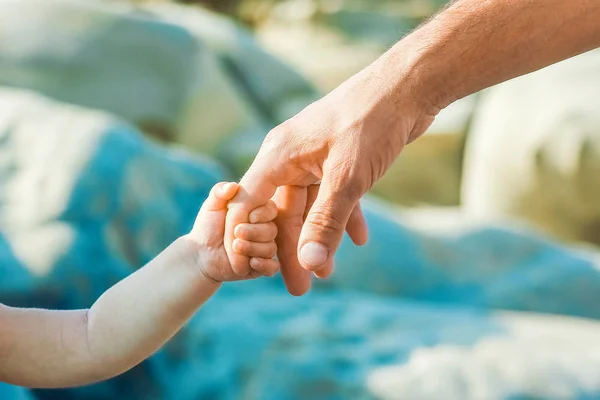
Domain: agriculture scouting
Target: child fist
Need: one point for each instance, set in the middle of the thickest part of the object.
(253, 240)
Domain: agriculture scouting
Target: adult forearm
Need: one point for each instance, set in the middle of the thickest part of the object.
(474, 44)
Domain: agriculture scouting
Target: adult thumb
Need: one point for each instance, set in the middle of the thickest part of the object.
(325, 224)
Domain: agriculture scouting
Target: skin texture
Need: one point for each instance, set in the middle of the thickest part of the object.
(349, 138)
(134, 318)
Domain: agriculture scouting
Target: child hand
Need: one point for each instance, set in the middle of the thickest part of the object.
(256, 241)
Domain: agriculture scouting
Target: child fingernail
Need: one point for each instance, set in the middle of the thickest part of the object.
(227, 186)
(238, 231)
(253, 219)
(254, 263)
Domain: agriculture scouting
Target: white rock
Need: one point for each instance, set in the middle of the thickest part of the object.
(179, 73)
(534, 150)
(537, 357)
(39, 172)
(68, 173)
(39, 168)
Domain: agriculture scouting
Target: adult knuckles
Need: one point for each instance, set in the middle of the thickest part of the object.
(279, 136)
(349, 179)
(326, 221)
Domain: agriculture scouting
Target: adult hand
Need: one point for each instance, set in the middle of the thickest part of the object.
(346, 140)
(350, 137)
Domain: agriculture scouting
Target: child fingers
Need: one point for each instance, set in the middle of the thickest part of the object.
(264, 266)
(254, 249)
(226, 191)
(265, 213)
(219, 195)
(265, 232)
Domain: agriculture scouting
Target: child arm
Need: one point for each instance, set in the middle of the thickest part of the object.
(134, 318)
(128, 323)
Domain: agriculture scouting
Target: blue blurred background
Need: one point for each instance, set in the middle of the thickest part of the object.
(481, 279)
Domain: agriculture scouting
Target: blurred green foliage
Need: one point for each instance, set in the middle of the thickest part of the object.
(252, 12)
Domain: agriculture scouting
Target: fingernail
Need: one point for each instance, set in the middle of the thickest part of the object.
(254, 263)
(314, 254)
(238, 231)
(227, 186)
(253, 219)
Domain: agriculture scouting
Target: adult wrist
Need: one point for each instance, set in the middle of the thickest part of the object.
(421, 74)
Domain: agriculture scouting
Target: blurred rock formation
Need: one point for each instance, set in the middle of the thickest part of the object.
(534, 151)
